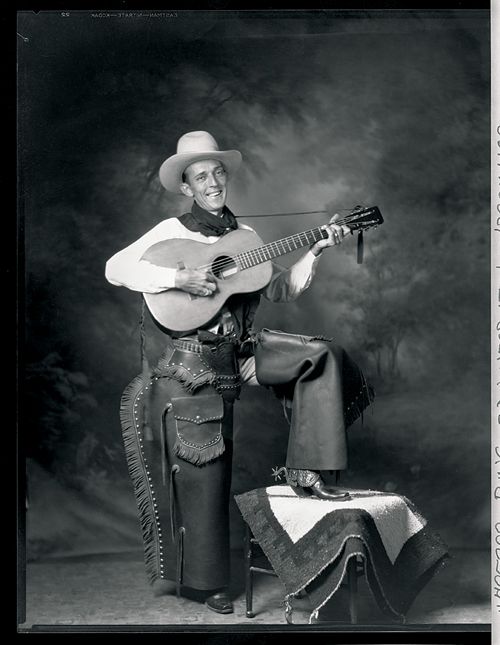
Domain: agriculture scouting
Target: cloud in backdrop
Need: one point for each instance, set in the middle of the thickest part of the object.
(329, 110)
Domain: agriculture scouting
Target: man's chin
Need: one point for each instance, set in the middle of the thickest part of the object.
(215, 205)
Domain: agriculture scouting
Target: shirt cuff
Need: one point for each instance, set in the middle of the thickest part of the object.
(310, 259)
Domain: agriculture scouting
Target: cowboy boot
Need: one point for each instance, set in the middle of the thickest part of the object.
(220, 602)
(309, 483)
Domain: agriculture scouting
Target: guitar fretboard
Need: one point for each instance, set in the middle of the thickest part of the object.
(273, 250)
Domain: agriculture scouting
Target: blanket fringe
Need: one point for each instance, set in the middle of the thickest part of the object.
(314, 616)
(137, 471)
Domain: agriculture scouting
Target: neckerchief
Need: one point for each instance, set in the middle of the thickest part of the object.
(201, 221)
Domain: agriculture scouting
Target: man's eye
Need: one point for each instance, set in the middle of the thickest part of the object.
(220, 172)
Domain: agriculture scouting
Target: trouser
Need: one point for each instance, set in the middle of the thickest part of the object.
(182, 483)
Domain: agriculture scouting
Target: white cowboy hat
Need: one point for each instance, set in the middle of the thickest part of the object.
(191, 147)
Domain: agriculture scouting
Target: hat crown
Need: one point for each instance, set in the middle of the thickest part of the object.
(195, 142)
(193, 147)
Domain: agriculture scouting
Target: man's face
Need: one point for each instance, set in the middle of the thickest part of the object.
(206, 182)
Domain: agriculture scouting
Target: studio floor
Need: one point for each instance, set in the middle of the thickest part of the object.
(112, 590)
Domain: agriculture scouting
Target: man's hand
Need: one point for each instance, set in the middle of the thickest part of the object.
(199, 283)
(335, 235)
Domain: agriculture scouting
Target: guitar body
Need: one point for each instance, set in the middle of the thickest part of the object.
(239, 262)
(180, 311)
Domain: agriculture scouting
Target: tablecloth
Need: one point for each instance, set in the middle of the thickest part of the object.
(308, 542)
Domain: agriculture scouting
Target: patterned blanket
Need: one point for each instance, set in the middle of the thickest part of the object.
(309, 541)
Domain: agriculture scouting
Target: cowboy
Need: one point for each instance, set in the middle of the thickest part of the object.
(179, 445)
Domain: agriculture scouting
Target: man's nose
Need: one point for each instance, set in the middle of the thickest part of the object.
(213, 180)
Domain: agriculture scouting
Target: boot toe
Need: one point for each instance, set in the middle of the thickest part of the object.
(320, 490)
(220, 602)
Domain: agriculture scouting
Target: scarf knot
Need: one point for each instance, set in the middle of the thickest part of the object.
(201, 221)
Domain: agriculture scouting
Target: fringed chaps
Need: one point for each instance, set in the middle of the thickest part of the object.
(181, 474)
(327, 391)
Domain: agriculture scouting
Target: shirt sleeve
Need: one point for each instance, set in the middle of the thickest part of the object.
(287, 284)
(126, 269)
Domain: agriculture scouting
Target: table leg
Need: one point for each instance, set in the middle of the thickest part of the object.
(248, 574)
(352, 576)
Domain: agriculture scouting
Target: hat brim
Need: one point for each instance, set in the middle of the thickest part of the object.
(172, 168)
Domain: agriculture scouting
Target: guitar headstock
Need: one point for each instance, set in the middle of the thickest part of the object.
(361, 218)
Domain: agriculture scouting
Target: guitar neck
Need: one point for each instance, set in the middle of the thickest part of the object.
(273, 250)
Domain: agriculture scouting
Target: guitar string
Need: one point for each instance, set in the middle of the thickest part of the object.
(252, 254)
(259, 253)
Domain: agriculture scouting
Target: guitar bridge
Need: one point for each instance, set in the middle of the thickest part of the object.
(228, 272)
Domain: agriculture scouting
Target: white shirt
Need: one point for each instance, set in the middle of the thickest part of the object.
(126, 268)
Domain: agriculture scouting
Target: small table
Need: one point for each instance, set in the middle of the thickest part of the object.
(355, 568)
(315, 545)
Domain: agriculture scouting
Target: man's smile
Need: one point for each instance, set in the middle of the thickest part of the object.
(206, 182)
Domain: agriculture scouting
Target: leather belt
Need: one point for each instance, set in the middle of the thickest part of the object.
(187, 345)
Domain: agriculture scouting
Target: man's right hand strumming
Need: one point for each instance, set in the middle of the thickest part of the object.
(199, 283)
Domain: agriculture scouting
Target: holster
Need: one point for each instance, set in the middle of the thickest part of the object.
(220, 354)
(206, 374)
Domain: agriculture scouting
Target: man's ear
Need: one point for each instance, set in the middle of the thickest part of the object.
(186, 189)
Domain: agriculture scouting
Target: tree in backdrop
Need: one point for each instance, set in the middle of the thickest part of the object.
(101, 107)
(106, 125)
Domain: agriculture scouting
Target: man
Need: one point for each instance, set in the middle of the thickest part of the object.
(179, 445)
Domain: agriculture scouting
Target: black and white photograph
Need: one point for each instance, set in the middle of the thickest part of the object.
(254, 320)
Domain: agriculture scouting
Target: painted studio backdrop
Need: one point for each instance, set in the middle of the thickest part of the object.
(330, 110)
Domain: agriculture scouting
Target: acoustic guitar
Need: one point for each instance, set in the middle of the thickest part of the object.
(240, 262)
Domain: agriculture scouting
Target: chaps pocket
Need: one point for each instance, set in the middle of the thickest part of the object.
(198, 426)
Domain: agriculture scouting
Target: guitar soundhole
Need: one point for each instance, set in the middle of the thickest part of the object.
(224, 267)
